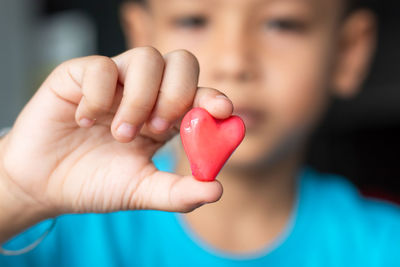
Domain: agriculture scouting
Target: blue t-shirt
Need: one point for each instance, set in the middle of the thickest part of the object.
(331, 225)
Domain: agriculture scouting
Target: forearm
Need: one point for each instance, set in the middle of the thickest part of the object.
(16, 214)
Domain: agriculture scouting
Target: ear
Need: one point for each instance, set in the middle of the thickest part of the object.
(135, 19)
(356, 46)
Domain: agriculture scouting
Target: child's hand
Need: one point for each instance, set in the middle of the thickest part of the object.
(71, 148)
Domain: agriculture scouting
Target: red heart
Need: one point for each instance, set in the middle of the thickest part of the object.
(209, 142)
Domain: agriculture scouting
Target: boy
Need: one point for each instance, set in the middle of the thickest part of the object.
(87, 137)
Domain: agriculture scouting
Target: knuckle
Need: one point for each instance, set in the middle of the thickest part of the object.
(140, 108)
(104, 65)
(180, 104)
(185, 57)
(68, 62)
(150, 54)
(96, 106)
(65, 67)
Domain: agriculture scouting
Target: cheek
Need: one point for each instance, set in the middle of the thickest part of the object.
(299, 89)
(166, 40)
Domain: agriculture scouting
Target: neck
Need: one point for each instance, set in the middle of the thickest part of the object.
(255, 205)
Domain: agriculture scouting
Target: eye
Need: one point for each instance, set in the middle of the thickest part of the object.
(290, 25)
(192, 22)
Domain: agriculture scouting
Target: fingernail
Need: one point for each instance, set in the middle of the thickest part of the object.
(126, 130)
(85, 122)
(222, 96)
(159, 124)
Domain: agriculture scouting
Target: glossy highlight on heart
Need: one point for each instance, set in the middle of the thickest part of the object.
(209, 142)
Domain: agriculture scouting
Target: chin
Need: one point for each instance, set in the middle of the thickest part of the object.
(249, 156)
(256, 154)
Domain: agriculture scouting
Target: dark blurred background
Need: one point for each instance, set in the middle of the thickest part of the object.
(359, 138)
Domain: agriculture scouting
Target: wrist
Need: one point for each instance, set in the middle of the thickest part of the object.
(16, 212)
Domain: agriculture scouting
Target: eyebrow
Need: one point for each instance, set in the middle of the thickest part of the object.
(258, 2)
(265, 1)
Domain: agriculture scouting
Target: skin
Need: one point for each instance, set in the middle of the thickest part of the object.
(282, 59)
(75, 160)
(72, 165)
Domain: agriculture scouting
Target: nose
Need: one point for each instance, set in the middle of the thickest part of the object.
(234, 58)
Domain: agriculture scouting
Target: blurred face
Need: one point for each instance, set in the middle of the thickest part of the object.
(272, 58)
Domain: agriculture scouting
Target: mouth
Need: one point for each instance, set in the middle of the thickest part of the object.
(252, 118)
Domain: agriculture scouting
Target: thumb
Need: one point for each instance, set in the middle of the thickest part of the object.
(172, 192)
